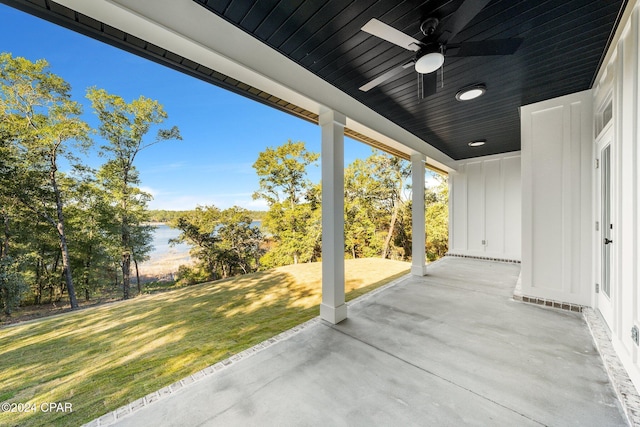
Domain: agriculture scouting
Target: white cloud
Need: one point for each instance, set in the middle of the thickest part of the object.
(166, 168)
(431, 182)
(150, 190)
(256, 205)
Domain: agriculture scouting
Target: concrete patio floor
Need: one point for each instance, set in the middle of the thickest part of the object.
(452, 348)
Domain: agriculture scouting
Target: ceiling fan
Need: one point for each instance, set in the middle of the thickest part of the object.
(430, 52)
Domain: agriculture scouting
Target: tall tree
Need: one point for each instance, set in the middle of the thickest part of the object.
(390, 173)
(361, 213)
(240, 241)
(377, 186)
(293, 207)
(125, 127)
(90, 216)
(41, 120)
(437, 218)
(11, 283)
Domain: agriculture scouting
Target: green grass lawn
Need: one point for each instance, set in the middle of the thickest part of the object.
(101, 358)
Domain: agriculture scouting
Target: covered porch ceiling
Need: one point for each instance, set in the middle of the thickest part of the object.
(563, 44)
(302, 56)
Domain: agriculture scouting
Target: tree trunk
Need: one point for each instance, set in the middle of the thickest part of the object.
(115, 274)
(4, 251)
(66, 266)
(4, 248)
(392, 225)
(7, 306)
(87, 266)
(135, 263)
(125, 235)
(39, 287)
(126, 270)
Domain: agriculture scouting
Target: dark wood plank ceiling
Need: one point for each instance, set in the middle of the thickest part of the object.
(564, 42)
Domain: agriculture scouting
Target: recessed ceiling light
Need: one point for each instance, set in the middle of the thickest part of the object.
(478, 143)
(471, 92)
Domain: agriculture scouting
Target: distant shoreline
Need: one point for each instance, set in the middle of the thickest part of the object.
(158, 223)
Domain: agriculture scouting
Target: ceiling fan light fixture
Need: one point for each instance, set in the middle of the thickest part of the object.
(478, 143)
(429, 63)
(471, 92)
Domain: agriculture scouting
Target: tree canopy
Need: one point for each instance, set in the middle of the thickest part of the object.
(41, 123)
(293, 219)
(225, 242)
(60, 219)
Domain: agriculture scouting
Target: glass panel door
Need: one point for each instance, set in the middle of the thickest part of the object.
(605, 159)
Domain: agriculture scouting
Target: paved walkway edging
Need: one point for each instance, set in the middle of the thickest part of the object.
(624, 388)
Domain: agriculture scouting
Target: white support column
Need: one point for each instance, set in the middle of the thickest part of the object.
(418, 254)
(333, 308)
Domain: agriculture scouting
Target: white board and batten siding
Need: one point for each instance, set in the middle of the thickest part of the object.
(557, 164)
(485, 207)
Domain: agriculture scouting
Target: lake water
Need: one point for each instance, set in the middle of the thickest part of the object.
(165, 260)
(161, 236)
(161, 248)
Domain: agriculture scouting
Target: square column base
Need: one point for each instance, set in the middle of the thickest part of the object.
(333, 315)
(419, 270)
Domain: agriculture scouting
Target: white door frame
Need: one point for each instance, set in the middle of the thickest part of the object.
(605, 298)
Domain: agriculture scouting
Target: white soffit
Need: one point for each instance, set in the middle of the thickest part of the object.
(185, 28)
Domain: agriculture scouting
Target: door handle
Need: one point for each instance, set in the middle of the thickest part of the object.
(607, 241)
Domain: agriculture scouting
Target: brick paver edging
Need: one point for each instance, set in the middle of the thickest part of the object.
(484, 258)
(626, 391)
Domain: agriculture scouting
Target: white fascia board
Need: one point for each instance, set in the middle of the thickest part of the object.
(506, 155)
(185, 28)
(624, 20)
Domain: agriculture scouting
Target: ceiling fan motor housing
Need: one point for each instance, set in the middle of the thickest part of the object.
(428, 26)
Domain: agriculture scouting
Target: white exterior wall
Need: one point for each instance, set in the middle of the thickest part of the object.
(484, 207)
(557, 139)
(619, 82)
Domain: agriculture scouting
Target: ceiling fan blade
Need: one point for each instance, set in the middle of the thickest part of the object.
(460, 18)
(485, 48)
(390, 34)
(427, 84)
(386, 76)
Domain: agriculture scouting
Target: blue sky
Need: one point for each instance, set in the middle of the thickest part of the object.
(222, 132)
